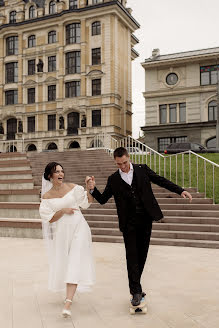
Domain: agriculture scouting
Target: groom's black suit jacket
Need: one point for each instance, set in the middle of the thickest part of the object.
(123, 194)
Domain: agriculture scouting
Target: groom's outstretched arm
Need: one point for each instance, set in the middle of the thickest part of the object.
(105, 196)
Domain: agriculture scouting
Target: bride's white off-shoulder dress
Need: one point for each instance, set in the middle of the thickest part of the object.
(70, 246)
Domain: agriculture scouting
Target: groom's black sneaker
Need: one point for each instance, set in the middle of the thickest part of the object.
(136, 300)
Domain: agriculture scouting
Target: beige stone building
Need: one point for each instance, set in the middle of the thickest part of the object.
(65, 72)
(181, 98)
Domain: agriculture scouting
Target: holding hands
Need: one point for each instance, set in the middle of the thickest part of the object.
(90, 182)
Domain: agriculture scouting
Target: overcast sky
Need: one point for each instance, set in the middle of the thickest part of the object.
(172, 26)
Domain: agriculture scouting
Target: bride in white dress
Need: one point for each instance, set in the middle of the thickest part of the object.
(67, 233)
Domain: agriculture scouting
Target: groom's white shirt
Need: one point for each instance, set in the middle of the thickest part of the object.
(127, 177)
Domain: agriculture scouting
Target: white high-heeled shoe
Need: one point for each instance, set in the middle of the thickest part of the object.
(66, 313)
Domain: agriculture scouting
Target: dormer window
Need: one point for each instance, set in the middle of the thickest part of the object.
(52, 7)
(32, 41)
(32, 12)
(73, 4)
(12, 17)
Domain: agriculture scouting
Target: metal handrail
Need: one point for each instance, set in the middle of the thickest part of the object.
(141, 153)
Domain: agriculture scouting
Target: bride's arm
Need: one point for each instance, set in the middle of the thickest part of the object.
(89, 196)
(60, 213)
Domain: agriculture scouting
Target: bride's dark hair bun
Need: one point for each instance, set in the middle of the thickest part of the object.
(50, 169)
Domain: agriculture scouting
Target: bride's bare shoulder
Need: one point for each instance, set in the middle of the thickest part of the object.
(71, 185)
(47, 195)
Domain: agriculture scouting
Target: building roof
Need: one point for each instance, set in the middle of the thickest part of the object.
(183, 55)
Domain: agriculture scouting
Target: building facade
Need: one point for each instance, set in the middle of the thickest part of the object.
(181, 98)
(65, 72)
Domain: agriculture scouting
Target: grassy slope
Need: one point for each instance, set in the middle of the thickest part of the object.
(153, 162)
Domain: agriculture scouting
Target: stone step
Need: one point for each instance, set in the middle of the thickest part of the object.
(166, 212)
(166, 219)
(191, 213)
(185, 243)
(19, 197)
(161, 201)
(20, 210)
(13, 163)
(15, 158)
(161, 226)
(23, 228)
(5, 173)
(191, 220)
(29, 228)
(12, 155)
(22, 167)
(161, 241)
(16, 177)
(162, 234)
(16, 184)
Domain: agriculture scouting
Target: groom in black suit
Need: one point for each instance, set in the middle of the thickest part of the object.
(137, 208)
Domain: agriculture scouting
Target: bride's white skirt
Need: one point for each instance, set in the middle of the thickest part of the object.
(71, 258)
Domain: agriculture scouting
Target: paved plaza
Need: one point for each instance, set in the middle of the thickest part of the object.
(182, 287)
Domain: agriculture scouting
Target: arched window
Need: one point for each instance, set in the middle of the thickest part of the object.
(31, 147)
(32, 41)
(52, 7)
(12, 17)
(32, 12)
(211, 143)
(96, 28)
(212, 110)
(74, 144)
(52, 146)
(52, 37)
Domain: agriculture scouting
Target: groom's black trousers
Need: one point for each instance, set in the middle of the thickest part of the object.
(136, 234)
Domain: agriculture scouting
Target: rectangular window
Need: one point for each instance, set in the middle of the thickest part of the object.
(51, 122)
(73, 4)
(163, 114)
(12, 45)
(172, 113)
(11, 71)
(73, 62)
(72, 89)
(209, 74)
(31, 124)
(73, 33)
(31, 67)
(11, 97)
(182, 112)
(96, 117)
(51, 92)
(31, 96)
(96, 87)
(51, 63)
(96, 56)
(164, 142)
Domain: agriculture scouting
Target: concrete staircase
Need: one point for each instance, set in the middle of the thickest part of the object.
(184, 224)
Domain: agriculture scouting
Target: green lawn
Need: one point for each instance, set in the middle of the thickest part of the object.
(177, 175)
